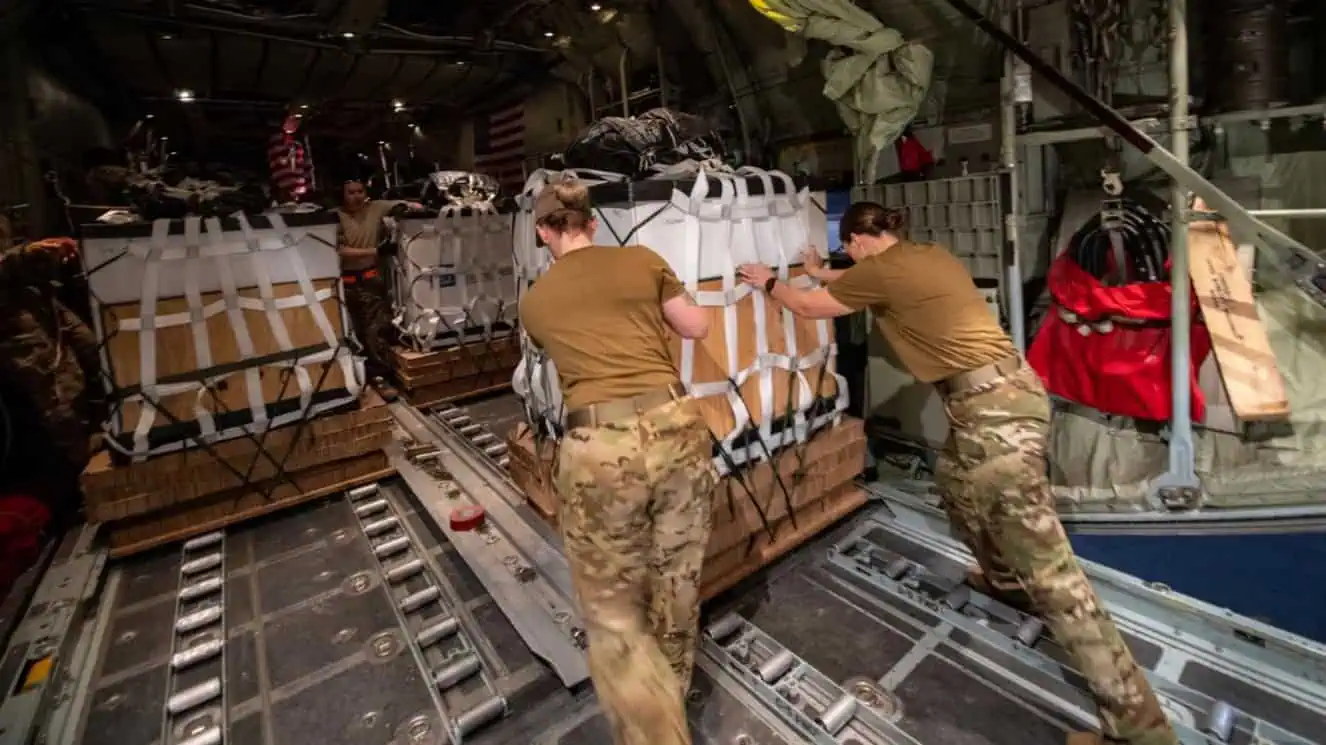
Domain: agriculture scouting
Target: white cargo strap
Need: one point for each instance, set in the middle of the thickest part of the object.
(781, 212)
(202, 343)
(231, 302)
(204, 239)
(746, 213)
(313, 299)
(268, 297)
(481, 300)
(147, 336)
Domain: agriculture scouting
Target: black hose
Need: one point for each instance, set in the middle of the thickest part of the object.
(1145, 246)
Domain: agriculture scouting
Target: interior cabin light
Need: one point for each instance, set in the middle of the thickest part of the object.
(184, 94)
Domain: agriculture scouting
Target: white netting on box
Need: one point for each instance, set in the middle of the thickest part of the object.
(454, 276)
(705, 222)
(258, 297)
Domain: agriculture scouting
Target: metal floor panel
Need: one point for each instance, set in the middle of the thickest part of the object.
(315, 650)
(865, 636)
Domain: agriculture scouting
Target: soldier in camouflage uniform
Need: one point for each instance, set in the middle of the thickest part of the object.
(634, 471)
(993, 473)
(367, 299)
(47, 351)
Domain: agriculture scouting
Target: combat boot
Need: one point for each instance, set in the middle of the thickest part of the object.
(385, 389)
(1014, 597)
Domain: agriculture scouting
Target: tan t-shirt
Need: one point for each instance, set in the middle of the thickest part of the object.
(363, 229)
(598, 314)
(928, 308)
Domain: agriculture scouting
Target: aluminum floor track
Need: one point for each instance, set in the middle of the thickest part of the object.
(355, 621)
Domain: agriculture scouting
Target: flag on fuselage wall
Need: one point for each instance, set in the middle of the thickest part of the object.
(499, 147)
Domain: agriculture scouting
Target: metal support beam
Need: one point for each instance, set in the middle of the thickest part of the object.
(1315, 213)
(1179, 487)
(1008, 152)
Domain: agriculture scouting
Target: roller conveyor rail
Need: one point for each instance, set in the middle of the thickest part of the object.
(1196, 661)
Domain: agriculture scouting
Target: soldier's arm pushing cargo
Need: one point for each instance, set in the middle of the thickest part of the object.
(680, 310)
(849, 291)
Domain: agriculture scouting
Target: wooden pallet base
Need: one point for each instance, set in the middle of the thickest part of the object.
(724, 571)
(797, 496)
(113, 493)
(220, 510)
(456, 373)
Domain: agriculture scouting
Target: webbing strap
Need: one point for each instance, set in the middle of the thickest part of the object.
(481, 280)
(207, 250)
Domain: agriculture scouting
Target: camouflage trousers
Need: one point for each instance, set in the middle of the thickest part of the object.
(992, 477)
(52, 356)
(635, 518)
(368, 304)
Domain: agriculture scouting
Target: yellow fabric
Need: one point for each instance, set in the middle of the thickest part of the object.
(787, 22)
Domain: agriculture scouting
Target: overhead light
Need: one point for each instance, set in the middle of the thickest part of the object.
(548, 34)
(184, 94)
(596, 7)
(299, 116)
(398, 105)
(304, 106)
(167, 36)
(149, 116)
(348, 35)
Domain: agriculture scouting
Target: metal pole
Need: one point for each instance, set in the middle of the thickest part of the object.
(1179, 485)
(593, 104)
(624, 81)
(1008, 151)
(1313, 213)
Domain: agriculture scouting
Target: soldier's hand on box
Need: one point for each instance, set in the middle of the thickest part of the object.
(755, 275)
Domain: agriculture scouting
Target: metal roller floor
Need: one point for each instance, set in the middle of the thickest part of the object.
(356, 621)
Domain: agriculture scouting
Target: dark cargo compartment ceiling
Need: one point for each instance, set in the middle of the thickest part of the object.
(245, 61)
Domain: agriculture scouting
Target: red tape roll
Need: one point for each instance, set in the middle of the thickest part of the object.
(468, 517)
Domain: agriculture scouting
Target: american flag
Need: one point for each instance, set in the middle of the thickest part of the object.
(499, 147)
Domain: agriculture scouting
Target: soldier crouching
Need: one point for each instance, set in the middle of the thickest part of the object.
(634, 472)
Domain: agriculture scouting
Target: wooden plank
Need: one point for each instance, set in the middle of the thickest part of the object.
(176, 355)
(711, 363)
(461, 389)
(492, 365)
(1242, 348)
(219, 511)
(417, 365)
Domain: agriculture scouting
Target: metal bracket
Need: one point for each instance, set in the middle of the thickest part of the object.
(1111, 181)
(817, 709)
(45, 636)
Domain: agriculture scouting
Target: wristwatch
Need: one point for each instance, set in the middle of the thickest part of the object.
(769, 284)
